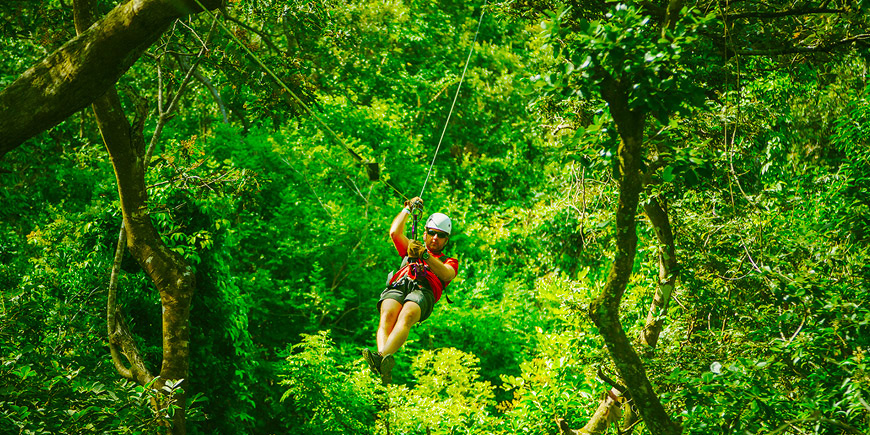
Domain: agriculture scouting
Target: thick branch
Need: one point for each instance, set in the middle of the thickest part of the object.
(121, 342)
(84, 68)
(667, 272)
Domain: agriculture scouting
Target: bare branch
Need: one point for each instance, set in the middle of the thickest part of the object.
(619, 387)
(164, 116)
(788, 13)
(215, 94)
(797, 50)
(266, 37)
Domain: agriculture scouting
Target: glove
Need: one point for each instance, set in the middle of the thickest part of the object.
(415, 202)
(416, 250)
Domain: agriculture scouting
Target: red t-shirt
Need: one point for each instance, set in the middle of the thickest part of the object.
(435, 283)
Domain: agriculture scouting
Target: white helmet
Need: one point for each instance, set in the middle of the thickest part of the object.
(440, 221)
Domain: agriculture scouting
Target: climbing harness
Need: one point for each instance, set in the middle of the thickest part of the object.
(416, 267)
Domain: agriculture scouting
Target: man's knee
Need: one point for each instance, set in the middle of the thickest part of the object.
(390, 306)
(390, 310)
(410, 313)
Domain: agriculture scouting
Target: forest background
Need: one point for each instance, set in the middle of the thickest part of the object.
(660, 212)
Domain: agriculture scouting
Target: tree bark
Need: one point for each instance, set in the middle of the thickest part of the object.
(672, 15)
(609, 408)
(630, 126)
(604, 311)
(667, 259)
(170, 273)
(85, 68)
(121, 341)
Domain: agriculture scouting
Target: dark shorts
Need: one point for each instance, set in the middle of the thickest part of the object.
(405, 290)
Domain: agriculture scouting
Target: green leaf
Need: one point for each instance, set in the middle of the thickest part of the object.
(668, 174)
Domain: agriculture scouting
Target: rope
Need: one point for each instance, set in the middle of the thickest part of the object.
(289, 91)
(324, 125)
(470, 51)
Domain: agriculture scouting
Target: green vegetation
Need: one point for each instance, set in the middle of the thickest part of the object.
(582, 136)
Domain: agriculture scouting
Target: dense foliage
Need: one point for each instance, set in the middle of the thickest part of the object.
(763, 163)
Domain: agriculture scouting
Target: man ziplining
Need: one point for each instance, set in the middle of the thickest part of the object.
(411, 292)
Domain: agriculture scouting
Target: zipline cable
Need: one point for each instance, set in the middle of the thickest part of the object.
(293, 94)
(455, 96)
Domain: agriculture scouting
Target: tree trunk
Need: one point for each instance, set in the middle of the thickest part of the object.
(630, 127)
(609, 408)
(169, 271)
(85, 68)
(604, 311)
(658, 217)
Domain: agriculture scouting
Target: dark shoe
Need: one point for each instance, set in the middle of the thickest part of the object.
(386, 369)
(373, 360)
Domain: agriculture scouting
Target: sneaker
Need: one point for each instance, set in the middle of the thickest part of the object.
(386, 369)
(374, 361)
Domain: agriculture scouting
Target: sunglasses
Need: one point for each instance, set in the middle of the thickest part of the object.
(434, 233)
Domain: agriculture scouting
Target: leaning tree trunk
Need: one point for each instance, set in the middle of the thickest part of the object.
(604, 311)
(171, 274)
(85, 67)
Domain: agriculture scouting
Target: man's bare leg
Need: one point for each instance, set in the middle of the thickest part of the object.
(389, 314)
(407, 317)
